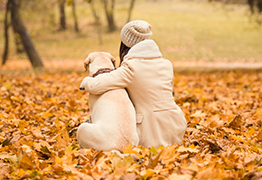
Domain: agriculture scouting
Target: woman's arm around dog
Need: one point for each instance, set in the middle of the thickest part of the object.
(116, 79)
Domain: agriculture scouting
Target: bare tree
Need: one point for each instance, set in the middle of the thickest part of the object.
(253, 4)
(6, 26)
(18, 42)
(19, 27)
(109, 11)
(61, 4)
(97, 23)
(259, 5)
(74, 15)
(132, 3)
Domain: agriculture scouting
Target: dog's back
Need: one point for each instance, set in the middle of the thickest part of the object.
(113, 116)
(113, 122)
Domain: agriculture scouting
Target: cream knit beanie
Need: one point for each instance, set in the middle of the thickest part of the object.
(135, 31)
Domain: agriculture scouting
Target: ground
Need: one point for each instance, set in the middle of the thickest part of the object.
(41, 109)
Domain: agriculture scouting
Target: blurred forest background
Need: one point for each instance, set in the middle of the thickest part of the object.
(64, 32)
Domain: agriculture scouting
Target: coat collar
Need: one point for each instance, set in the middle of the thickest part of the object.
(146, 49)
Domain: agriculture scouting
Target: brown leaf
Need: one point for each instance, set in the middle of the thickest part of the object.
(16, 138)
(42, 112)
(213, 146)
(154, 160)
(228, 130)
(252, 175)
(236, 122)
(129, 176)
(4, 170)
(259, 135)
(198, 114)
(37, 133)
(57, 168)
(28, 158)
(7, 141)
(168, 155)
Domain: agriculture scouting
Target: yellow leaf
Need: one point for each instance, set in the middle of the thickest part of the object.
(127, 161)
(147, 173)
(128, 149)
(21, 173)
(116, 160)
(47, 115)
(59, 160)
(251, 132)
(161, 147)
(8, 85)
(69, 149)
(192, 146)
(153, 151)
(259, 169)
(15, 98)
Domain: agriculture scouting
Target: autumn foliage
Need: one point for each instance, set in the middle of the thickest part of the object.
(40, 113)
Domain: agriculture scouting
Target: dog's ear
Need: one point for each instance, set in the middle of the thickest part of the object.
(87, 61)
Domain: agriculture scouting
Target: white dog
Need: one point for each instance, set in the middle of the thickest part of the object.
(112, 113)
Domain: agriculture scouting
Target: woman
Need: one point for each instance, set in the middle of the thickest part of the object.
(148, 79)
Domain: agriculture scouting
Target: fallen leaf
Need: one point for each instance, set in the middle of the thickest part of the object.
(259, 135)
(236, 122)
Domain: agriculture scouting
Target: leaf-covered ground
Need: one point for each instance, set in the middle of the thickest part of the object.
(40, 112)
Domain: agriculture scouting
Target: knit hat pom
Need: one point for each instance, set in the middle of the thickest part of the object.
(135, 31)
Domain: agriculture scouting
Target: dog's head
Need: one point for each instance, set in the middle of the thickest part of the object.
(98, 60)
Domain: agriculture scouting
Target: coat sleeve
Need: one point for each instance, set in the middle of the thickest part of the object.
(119, 78)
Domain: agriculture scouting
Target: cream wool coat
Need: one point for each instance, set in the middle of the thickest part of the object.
(149, 80)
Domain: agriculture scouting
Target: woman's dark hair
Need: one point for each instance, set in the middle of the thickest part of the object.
(123, 51)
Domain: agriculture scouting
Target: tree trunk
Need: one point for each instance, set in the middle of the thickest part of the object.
(259, 6)
(61, 4)
(74, 15)
(18, 43)
(97, 23)
(251, 5)
(6, 26)
(132, 3)
(24, 36)
(110, 14)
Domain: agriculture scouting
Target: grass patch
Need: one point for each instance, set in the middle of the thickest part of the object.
(184, 31)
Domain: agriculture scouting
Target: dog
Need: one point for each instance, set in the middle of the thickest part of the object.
(112, 113)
